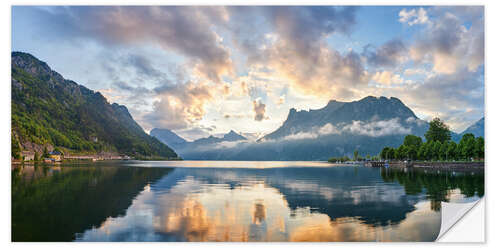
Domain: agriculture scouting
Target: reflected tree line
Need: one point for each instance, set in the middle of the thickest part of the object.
(52, 204)
(436, 184)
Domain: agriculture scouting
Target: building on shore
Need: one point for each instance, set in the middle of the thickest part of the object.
(55, 155)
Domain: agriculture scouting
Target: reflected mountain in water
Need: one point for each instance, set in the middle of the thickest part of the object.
(234, 204)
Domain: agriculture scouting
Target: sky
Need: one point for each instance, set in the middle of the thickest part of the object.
(204, 70)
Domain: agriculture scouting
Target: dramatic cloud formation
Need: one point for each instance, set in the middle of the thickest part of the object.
(186, 30)
(203, 70)
(297, 51)
(451, 46)
(179, 105)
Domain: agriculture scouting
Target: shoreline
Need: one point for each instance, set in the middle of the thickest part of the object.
(458, 166)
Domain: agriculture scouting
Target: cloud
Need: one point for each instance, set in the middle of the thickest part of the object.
(260, 110)
(377, 128)
(328, 129)
(419, 122)
(280, 100)
(390, 53)
(185, 30)
(457, 98)
(173, 66)
(387, 78)
(295, 50)
(449, 45)
(413, 16)
(300, 136)
(179, 105)
(143, 66)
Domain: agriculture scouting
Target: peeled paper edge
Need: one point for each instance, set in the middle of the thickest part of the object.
(451, 213)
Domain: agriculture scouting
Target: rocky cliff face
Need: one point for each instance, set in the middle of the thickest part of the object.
(368, 109)
(50, 110)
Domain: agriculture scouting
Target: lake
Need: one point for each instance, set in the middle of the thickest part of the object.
(232, 201)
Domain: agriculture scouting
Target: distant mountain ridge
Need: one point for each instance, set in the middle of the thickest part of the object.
(477, 129)
(339, 128)
(178, 143)
(167, 137)
(50, 110)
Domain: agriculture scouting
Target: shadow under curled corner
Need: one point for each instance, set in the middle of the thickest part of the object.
(451, 214)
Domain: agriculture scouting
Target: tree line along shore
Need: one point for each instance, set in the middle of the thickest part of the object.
(438, 147)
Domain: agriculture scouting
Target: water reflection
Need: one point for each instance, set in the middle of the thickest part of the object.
(244, 204)
(53, 203)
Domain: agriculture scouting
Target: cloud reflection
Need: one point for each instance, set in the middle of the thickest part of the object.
(187, 206)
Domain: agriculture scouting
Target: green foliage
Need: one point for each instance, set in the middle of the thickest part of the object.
(479, 147)
(47, 109)
(15, 148)
(391, 154)
(355, 155)
(383, 153)
(438, 131)
(412, 140)
(412, 152)
(45, 153)
(435, 149)
(467, 146)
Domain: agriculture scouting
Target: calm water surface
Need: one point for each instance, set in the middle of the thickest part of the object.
(232, 201)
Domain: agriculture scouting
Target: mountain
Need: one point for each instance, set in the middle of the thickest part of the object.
(233, 136)
(338, 129)
(184, 147)
(366, 110)
(50, 111)
(167, 137)
(477, 129)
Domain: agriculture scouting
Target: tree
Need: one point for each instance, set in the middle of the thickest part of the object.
(45, 153)
(421, 152)
(391, 154)
(479, 148)
(15, 148)
(383, 153)
(412, 152)
(442, 151)
(36, 157)
(355, 155)
(367, 157)
(412, 140)
(401, 153)
(438, 131)
(467, 146)
(451, 150)
(436, 146)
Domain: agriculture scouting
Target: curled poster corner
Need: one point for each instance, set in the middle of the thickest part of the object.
(451, 213)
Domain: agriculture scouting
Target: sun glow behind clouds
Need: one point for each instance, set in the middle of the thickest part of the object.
(212, 69)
